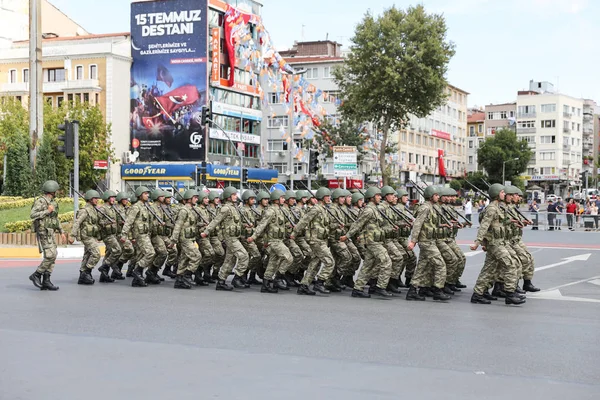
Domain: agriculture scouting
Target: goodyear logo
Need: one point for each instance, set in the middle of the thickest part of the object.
(145, 171)
(226, 172)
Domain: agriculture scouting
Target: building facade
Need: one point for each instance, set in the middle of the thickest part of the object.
(500, 116)
(475, 136)
(589, 137)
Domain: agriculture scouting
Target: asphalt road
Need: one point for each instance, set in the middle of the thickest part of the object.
(115, 341)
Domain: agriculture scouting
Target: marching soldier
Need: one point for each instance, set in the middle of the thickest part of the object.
(138, 223)
(250, 214)
(453, 279)
(519, 246)
(215, 237)
(358, 201)
(395, 251)
(444, 238)
(86, 228)
(109, 230)
(273, 223)
(229, 221)
(339, 249)
(204, 244)
(288, 208)
(44, 214)
(127, 250)
(431, 268)
(410, 262)
(170, 212)
(157, 237)
(301, 208)
(348, 280)
(263, 199)
(184, 235)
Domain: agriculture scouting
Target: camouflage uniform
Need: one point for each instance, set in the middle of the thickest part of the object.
(204, 244)
(138, 223)
(255, 258)
(87, 230)
(109, 230)
(410, 261)
(45, 225)
(157, 238)
(453, 278)
(216, 242)
(127, 251)
(170, 214)
(443, 240)
(184, 234)
(295, 250)
(300, 211)
(339, 249)
(357, 241)
(395, 251)
(352, 247)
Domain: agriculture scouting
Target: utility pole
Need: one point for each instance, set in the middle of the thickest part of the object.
(76, 165)
(36, 106)
(291, 130)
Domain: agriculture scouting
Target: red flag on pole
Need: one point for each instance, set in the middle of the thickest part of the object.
(441, 166)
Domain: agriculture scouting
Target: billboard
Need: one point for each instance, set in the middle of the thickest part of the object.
(169, 79)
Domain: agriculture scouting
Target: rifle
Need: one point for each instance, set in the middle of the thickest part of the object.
(516, 222)
(168, 213)
(176, 192)
(441, 215)
(326, 209)
(98, 209)
(119, 213)
(388, 219)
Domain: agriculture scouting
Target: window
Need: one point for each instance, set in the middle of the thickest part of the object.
(479, 128)
(549, 123)
(93, 71)
(275, 98)
(20, 99)
(79, 72)
(502, 114)
(470, 144)
(59, 101)
(276, 122)
(26, 75)
(526, 124)
(312, 73)
(327, 72)
(50, 100)
(418, 139)
(411, 138)
(578, 127)
(547, 139)
(430, 142)
(70, 97)
(579, 112)
(410, 157)
(12, 76)
(417, 159)
(566, 125)
(490, 115)
(470, 159)
(404, 137)
(277, 145)
(472, 130)
(547, 155)
(526, 111)
(97, 98)
(86, 97)
(330, 96)
(548, 108)
(54, 75)
(224, 71)
(430, 161)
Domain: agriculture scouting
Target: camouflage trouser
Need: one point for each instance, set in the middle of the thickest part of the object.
(306, 251)
(172, 254)
(280, 259)
(161, 251)
(449, 257)
(342, 257)
(527, 261)
(297, 256)
(127, 251)
(377, 264)
(410, 262)
(356, 258)
(91, 254)
(431, 268)
(219, 252)
(189, 258)
(360, 246)
(113, 250)
(462, 261)
(207, 250)
(234, 251)
(396, 255)
(320, 254)
(255, 257)
(145, 251)
(49, 247)
(497, 257)
(512, 249)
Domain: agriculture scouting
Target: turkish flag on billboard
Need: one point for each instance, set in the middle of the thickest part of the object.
(175, 99)
(441, 166)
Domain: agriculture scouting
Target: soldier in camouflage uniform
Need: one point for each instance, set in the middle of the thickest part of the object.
(170, 213)
(452, 278)
(263, 199)
(339, 249)
(519, 246)
(127, 250)
(315, 224)
(410, 261)
(184, 235)
(348, 280)
(204, 244)
(491, 234)
(157, 237)
(358, 202)
(86, 228)
(250, 214)
(108, 231)
(273, 224)
(431, 268)
(229, 221)
(444, 240)
(215, 237)
(395, 251)
(301, 208)
(138, 223)
(44, 214)
(289, 209)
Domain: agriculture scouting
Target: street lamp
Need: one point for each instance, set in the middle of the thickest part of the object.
(292, 117)
(504, 167)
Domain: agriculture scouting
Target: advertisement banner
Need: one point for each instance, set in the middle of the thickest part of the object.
(215, 40)
(169, 79)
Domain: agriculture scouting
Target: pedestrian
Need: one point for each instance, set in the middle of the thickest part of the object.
(534, 211)
(593, 210)
(551, 215)
(559, 210)
(571, 213)
(468, 208)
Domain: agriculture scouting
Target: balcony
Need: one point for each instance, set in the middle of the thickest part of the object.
(566, 147)
(567, 115)
(567, 130)
(532, 145)
(54, 87)
(527, 115)
(587, 117)
(526, 130)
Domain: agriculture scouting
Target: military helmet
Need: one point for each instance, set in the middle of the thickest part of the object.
(401, 192)
(300, 194)
(122, 196)
(202, 194)
(141, 190)
(322, 193)
(430, 191)
(248, 194)
(276, 194)
(494, 190)
(167, 194)
(337, 193)
(213, 195)
(108, 194)
(452, 192)
(228, 192)
(444, 191)
(347, 193)
(371, 192)
(519, 191)
(91, 194)
(310, 194)
(262, 195)
(155, 194)
(356, 197)
(188, 194)
(387, 190)
(290, 194)
(511, 189)
(50, 187)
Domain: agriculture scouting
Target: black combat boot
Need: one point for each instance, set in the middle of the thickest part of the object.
(47, 283)
(488, 296)
(528, 286)
(222, 285)
(425, 291)
(252, 280)
(104, 277)
(215, 274)
(518, 290)
(138, 277)
(237, 282)
(117, 273)
(479, 299)
(513, 298)
(290, 280)
(498, 290)
(207, 276)
(267, 287)
(360, 294)
(393, 286)
(305, 290)
(400, 284)
(187, 277)
(198, 279)
(280, 282)
(319, 286)
(130, 268)
(85, 278)
(181, 283)
(414, 295)
(36, 278)
(454, 288)
(460, 285)
(152, 276)
(332, 288)
(446, 289)
(348, 281)
(382, 293)
(167, 271)
(439, 295)
(407, 280)
(337, 282)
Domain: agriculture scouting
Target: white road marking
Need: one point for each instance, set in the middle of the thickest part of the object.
(571, 284)
(473, 253)
(595, 282)
(581, 257)
(557, 295)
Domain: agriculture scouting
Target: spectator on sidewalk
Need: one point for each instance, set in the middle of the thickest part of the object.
(534, 209)
(571, 213)
(468, 207)
(551, 215)
(593, 209)
(559, 210)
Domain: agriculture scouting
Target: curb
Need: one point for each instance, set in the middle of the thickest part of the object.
(63, 253)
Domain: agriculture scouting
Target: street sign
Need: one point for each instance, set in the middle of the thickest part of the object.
(100, 164)
(345, 161)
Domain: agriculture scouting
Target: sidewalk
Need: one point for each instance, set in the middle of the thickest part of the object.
(64, 252)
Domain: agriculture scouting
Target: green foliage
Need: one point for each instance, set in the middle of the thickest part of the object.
(396, 68)
(14, 121)
(25, 225)
(19, 178)
(346, 133)
(504, 146)
(456, 184)
(45, 167)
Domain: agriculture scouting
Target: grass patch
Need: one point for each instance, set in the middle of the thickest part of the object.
(21, 214)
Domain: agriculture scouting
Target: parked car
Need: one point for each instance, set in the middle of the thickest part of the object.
(553, 198)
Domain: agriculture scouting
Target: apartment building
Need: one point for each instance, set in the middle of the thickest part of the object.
(475, 136)
(500, 116)
(589, 137)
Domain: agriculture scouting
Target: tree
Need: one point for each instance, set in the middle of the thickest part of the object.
(45, 167)
(396, 68)
(18, 172)
(504, 146)
(13, 122)
(345, 133)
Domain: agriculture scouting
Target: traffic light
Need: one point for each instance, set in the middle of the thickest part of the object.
(244, 175)
(206, 116)
(68, 139)
(313, 162)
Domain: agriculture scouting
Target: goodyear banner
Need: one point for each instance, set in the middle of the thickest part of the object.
(169, 79)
